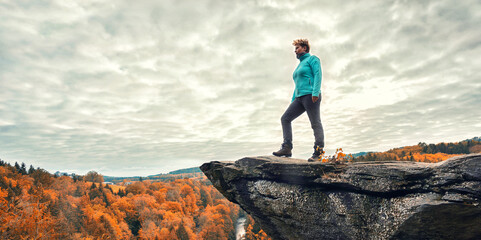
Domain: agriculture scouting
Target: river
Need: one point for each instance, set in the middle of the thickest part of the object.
(239, 228)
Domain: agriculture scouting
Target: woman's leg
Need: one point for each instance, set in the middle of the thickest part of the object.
(314, 113)
(294, 110)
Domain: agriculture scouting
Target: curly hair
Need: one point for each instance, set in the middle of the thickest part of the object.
(303, 43)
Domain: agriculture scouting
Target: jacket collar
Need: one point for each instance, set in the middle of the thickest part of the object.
(304, 56)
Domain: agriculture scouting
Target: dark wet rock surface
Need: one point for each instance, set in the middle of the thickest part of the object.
(296, 199)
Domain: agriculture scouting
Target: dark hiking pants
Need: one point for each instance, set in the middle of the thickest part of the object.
(296, 108)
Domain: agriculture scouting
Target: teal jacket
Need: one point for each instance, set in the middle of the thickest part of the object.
(307, 76)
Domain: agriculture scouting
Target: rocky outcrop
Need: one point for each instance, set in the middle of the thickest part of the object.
(296, 199)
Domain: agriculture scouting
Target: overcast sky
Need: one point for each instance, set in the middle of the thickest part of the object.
(144, 87)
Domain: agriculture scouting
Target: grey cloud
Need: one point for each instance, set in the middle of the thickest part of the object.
(170, 84)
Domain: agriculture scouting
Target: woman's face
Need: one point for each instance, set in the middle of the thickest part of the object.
(299, 50)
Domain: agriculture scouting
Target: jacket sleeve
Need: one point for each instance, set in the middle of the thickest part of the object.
(315, 64)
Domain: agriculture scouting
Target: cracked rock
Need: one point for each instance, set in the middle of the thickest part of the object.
(296, 199)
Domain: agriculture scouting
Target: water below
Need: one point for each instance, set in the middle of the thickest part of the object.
(239, 228)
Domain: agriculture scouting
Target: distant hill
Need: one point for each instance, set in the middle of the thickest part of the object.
(176, 174)
(186, 170)
(360, 154)
(473, 139)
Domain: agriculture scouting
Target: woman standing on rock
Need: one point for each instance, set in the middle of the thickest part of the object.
(306, 98)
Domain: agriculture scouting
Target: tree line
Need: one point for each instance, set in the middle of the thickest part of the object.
(423, 152)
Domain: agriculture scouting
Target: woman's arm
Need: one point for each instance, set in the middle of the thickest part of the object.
(315, 64)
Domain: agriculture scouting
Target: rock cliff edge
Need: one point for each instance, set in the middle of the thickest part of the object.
(295, 199)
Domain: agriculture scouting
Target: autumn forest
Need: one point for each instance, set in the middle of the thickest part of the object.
(35, 204)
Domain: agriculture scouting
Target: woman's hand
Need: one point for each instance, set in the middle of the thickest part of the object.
(314, 99)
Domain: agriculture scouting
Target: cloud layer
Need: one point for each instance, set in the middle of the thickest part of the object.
(140, 88)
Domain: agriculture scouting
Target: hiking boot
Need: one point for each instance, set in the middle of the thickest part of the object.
(285, 150)
(316, 156)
